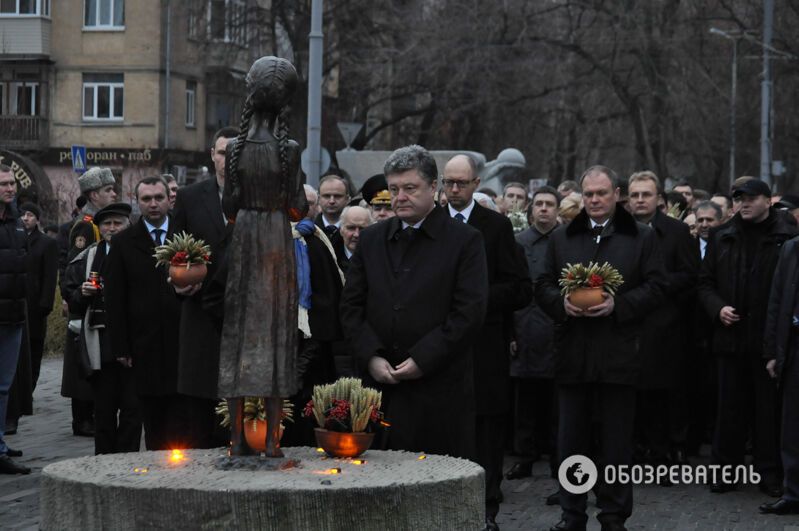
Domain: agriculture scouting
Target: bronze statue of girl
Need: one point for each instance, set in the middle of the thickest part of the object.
(263, 193)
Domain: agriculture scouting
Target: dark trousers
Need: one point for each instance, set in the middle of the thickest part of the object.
(160, 415)
(747, 404)
(37, 326)
(613, 407)
(117, 422)
(197, 422)
(790, 429)
(490, 431)
(534, 420)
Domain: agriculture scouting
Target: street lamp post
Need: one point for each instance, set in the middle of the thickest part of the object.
(733, 94)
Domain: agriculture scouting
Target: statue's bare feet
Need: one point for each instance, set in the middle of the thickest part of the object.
(274, 452)
(240, 449)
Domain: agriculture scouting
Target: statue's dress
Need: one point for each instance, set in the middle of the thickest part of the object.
(259, 337)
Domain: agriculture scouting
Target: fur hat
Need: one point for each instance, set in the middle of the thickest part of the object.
(95, 178)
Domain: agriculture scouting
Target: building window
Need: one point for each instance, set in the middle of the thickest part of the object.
(191, 98)
(197, 19)
(24, 98)
(104, 14)
(227, 21)
(103, 97)
(25, 7)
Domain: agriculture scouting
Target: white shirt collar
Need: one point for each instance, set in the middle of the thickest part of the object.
(415, 226)
(328, 223)
(347, 253)
(164, 226)
(466, 212)
(595, 224)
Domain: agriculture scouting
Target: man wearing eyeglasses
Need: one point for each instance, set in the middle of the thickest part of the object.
(510, 289)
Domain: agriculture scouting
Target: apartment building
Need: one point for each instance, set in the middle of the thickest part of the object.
(142, 84)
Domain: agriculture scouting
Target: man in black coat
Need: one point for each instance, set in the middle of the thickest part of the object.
(780, 349)
(143, 315)
(510, 289)
(41, 278)
(198, 211)
(413, 303)
(13, 248)
(334, 195)
(734, 285)
(663, 410)
(597, 356)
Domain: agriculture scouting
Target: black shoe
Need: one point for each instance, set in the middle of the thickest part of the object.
(721, 488)
(13, 453)
(771, 489)
(7, 466)
(563, 525)
(491, 524)
(613, 526)
(520, 470)
(554, 498)
(780, 507)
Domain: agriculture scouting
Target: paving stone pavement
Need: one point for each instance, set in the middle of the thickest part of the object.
(46, 437)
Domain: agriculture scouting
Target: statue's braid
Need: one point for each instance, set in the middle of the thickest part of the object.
(283, 143)
(244, 127)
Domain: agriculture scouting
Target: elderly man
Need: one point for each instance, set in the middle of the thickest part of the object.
(13, 248)
(734, 287)
(413, 303)
(353, 220)
(116, 409)
(510, 289)
(313, 201)
(598, 359)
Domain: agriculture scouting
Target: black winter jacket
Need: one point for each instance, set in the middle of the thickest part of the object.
(13, 265)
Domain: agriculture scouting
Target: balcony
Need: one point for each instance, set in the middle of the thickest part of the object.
(24, 37)
(23, 133)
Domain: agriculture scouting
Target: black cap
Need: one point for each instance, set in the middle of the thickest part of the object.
(788, 202)
(32, 208)
(753, 187)
(114, 209)
(376, 189)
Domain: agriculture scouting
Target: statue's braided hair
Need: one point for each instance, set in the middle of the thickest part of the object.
(279, 78)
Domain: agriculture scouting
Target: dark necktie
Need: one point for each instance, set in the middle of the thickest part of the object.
(330, 230)
(596, 232)
(460, 217)
(157, 236)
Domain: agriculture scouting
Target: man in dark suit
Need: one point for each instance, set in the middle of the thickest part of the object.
(597, 360)
(663, 411)
(353, 220)
(334, 195)
(198, 211)
(413, 303)
(510, 289)
(143, 315)
(41, 278)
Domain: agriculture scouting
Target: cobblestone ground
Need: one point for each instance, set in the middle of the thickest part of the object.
(46, 437)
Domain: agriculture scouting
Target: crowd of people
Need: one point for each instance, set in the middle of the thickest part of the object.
(422, 285)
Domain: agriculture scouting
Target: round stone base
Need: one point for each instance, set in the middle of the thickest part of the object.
(383, 490)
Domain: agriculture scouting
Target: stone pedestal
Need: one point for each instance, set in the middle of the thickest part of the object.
(152, 490)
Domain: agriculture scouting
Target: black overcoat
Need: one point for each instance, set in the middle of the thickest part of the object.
(430, 307)
(603, 349)
(664, 342)
(509, 289)
(142, 311)
(724, 280)
(198, 211)
(533, 328)
(782, 307)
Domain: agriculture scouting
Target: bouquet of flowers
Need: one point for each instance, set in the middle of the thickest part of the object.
(183, 250)
(345, 406)
(576, 276)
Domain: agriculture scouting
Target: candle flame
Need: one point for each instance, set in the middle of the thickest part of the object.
(333, 471)
(176, 456)
(422, 457)
(358, 461)
(320, 450)
(141, 470)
